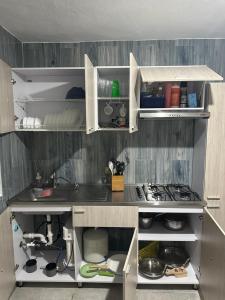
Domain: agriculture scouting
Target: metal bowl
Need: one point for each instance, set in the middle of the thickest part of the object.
(152, 267)
(174, 257)
(145, 220)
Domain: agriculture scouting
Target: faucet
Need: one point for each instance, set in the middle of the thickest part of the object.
(54, 180)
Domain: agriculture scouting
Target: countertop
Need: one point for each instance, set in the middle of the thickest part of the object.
(88, 194)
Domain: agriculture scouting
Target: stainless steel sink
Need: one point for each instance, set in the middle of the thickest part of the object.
(62, 193)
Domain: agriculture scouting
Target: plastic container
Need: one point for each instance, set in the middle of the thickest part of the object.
(115, 88)
(168, 94)
(149, 101)
(175, 96)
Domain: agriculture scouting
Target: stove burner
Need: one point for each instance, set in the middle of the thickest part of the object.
(178, 187)
(157, 196)
(153, 188)
(185, 196)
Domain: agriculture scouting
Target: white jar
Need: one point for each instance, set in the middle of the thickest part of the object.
(95, 245)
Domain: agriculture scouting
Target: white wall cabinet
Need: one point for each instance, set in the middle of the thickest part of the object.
(41, 102)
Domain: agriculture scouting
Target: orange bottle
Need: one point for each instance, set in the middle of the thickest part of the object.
(175, 96)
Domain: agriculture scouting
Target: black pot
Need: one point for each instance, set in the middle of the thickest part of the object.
(31, 265)
(174, 221)
(51, 269)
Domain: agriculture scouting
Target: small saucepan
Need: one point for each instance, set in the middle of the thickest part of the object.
(145, 220)
(174, 221)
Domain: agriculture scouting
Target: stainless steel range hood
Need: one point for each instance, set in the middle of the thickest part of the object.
(148, 114)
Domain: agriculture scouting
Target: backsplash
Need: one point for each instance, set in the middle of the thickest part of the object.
(161, 151)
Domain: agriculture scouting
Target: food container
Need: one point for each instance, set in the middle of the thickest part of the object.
(31, 265)
(175, 96)
(150, 101)
(145, 220)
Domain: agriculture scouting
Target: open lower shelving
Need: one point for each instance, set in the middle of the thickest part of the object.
(43, 258)
(190, 279)
(159, 233)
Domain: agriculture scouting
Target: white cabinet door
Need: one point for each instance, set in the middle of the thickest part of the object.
(91, 96)
(130, 270)
(7, 274)
(212, 267)
(7, 123)
(134, 93)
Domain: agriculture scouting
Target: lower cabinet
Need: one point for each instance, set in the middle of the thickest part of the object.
(202, 238)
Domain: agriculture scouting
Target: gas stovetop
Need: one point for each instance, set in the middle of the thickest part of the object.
(177, 194)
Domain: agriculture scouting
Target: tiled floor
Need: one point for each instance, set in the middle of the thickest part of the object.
(90, 292)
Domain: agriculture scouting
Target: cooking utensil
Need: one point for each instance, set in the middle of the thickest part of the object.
(31, 265)
(108, 109)
(152, 267)
(87, 271)
(174, 221)
(145, 220)
(177, 272)
(111, 167)
(173, 256)
(51, 269)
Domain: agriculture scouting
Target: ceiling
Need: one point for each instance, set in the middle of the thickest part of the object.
(98, 20)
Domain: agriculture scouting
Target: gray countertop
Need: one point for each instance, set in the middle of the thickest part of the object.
(88, 194)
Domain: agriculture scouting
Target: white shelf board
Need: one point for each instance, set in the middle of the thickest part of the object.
(113, 98)
(113, 129)
(113, 71)
(44, 257)
(49, 71)
(190, 279)
(159, 233)
(51, 129)
(48, 100)
(99, 279)
(181, 210)
(171, 109)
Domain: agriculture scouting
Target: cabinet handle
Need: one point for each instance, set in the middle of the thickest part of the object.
(213, 197)
(79, 211)
(127, 271)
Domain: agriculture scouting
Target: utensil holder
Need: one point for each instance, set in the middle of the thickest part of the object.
(117, 183)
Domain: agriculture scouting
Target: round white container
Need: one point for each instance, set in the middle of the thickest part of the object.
(95, 245)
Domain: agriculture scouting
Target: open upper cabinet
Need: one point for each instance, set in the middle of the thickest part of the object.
(175, 91)
(95, 98)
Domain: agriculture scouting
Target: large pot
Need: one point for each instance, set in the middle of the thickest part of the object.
(152, 267)
(174, 221)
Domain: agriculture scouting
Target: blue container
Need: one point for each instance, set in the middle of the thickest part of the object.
(149, 101)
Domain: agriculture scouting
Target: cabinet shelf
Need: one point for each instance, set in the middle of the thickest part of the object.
(48, 100)
(43, 258)
(159, 233)
(190, 279)
(42, 128)
(116, 99)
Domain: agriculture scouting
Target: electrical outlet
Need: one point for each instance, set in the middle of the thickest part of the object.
(213, 203)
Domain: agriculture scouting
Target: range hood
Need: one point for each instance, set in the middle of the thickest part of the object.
(171, 115)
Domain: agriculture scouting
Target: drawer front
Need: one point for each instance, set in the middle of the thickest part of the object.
(105, 216)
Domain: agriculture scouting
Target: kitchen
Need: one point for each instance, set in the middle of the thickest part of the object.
(59, 81)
